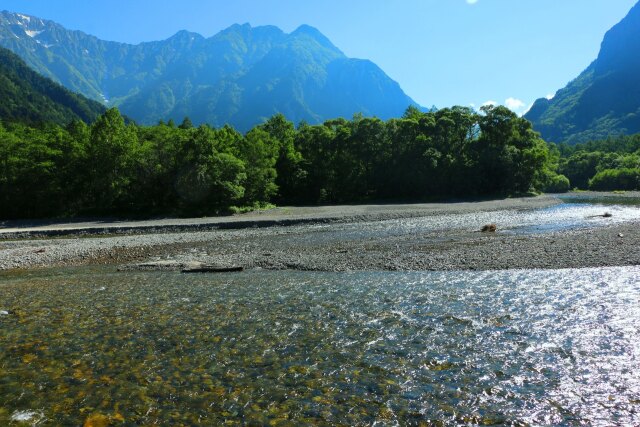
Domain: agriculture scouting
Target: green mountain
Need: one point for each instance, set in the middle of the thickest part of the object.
(240, 76)
(30, 98)
(605, 99)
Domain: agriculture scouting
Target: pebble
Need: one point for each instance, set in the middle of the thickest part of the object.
(295, 247)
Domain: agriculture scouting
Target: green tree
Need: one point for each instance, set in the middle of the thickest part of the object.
(259, 152)
(616, 179)
(186, 123)
(288, 165)
(315, 143)
(510, 152)
(112, 156)
(208, 179)
(30, 182)
(580, 167)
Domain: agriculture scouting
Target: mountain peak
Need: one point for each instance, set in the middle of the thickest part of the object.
(21, 19)
(240, 76)
(605, 99)
(245, 28)
(247, 32)
(183, 33)
(620, 41)
(307, 29)
(239, 27)
(186, 35)
(313, 33)
(16, 15)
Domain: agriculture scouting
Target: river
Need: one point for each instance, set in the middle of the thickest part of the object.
(524, 347)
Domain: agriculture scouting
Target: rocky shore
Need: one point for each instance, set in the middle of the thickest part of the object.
(325, 239)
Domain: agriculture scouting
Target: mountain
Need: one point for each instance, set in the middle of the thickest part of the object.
(30, 98)
(605, 99)
(240, 76)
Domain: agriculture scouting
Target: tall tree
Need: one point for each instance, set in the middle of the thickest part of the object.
(209, 180)
(112, 154)
(289, 171)
(259, 152)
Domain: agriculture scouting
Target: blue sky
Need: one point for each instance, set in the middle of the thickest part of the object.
(442, 52)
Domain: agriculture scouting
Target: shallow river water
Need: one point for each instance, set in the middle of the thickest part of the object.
(575, 212)
(557, 347)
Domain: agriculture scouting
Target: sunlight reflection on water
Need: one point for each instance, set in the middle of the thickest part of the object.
(536, 347)
(565, 216)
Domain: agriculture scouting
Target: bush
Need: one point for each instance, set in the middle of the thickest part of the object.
(616, 179)
(551, 182)
(558, 184)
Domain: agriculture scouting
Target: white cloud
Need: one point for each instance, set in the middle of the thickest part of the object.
(550, 96)
(514, 104)
(472, 1)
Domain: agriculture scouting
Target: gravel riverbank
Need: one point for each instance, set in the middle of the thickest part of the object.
(325, 239)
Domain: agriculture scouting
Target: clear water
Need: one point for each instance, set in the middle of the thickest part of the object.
(573, 214)
(287, 348)
(603, 199)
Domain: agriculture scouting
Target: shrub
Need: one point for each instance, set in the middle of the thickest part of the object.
(616, 179)
(551, 182)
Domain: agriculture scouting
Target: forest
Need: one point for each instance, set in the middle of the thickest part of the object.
(604, 165)
(114, 167)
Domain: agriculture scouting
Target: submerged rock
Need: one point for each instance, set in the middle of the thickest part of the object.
(32, 417)
(97, 420)
(488, 228)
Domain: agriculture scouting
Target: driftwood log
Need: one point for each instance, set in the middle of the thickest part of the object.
(604, 215)
(211, 269)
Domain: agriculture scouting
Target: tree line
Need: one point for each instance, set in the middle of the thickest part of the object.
(112, 167)
(603, 165)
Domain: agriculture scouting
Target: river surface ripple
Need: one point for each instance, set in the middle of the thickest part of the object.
(572, 214)
(556, 347)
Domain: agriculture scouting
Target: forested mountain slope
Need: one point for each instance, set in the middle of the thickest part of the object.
(28, 97)
(605, 99)
(240, 76)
